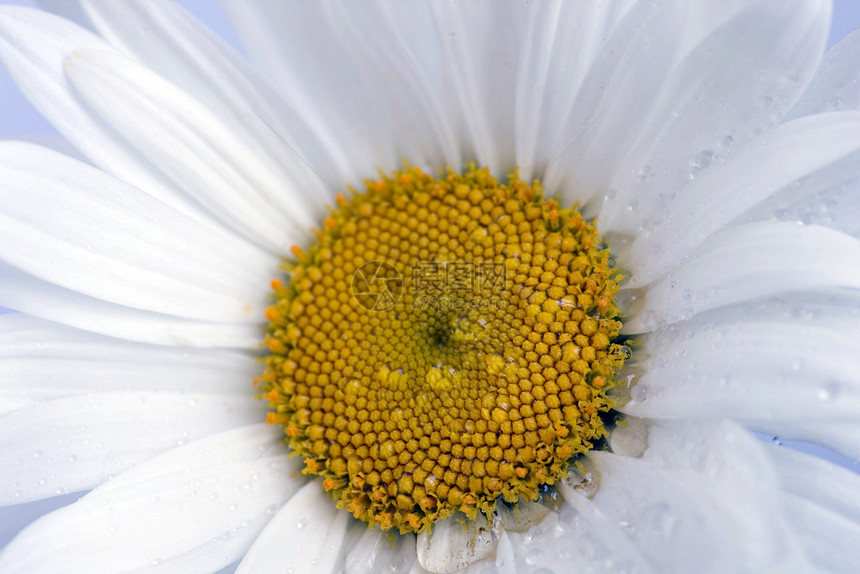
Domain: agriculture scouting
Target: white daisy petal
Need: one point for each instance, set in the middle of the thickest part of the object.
(34, 46)
(40, 360)
(624, 78)
(705, 499)
(305, 536)
(417, 116)
(302, 49)
(785, 368)
(192, 509)
(132, 249)
(746, 262)
(174, 45)
(455, 543)
(765, 52)
(835, 86)
(31, 295)
(376, 552)
(828, 197)
(823, 505)
(560, 40)
(481, 69)
(726, 190)
(220, 165)
(97, 435)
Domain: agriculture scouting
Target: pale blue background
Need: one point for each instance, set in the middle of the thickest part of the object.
(17, 118)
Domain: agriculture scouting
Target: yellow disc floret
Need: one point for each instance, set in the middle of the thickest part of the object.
(446, 343)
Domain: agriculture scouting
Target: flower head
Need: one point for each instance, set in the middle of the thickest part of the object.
(590, 406)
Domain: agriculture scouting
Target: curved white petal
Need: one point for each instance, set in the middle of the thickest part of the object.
(836, 86)
(216, 161)
(770, 373)
(739, 80)
(307, 535)
(76, 442)
(376, 551)
(702, 498)
(34, 47)
(455, 543)
(560, 41)
(174, 45)
(720, 194)
(69, 223)
(624, 78)
(830, 197)
(31, 295)
(743, 263)
(824, 506)
(40, 360)
(196, 508)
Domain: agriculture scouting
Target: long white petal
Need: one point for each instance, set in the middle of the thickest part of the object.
(66, 222)
(31, 295)
(307, 535)
(835, 85)
(738, 81)
(196, 508)
(746, 262)
(784, 367)
(775, 160)
(216, 162)
(607, 115)
(823, 504)
(34, 47)
(75, 443)
(703, 498)
(173, 44)
(560, 40)
(40, 360)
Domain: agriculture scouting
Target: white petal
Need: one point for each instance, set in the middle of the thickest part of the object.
(787, 368)
(74, 443)
(716, 197)
(71, 224)
(479, 56)
(34, 46)
(737, 81)
(455, 543)
(305, 536)
(173, 44)
(835, 87)
(743, 263)
(40, 360)
(378, 551)
(703, 498)
(215, 161)
(28, 294)
(623, 80)
(196, 508)
(560, 40)
(824, 503)
(828, 197)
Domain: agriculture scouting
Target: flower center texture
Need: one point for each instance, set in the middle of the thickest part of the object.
(444, 345)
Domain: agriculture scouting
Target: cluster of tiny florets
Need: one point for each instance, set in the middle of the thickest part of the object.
(446, 343)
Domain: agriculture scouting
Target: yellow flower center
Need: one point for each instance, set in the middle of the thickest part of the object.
(446, 343)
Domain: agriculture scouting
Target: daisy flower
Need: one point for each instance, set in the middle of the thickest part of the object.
(644, 218)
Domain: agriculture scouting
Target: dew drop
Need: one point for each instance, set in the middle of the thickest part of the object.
(639, 393)
(302, 523)
(534, 557)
